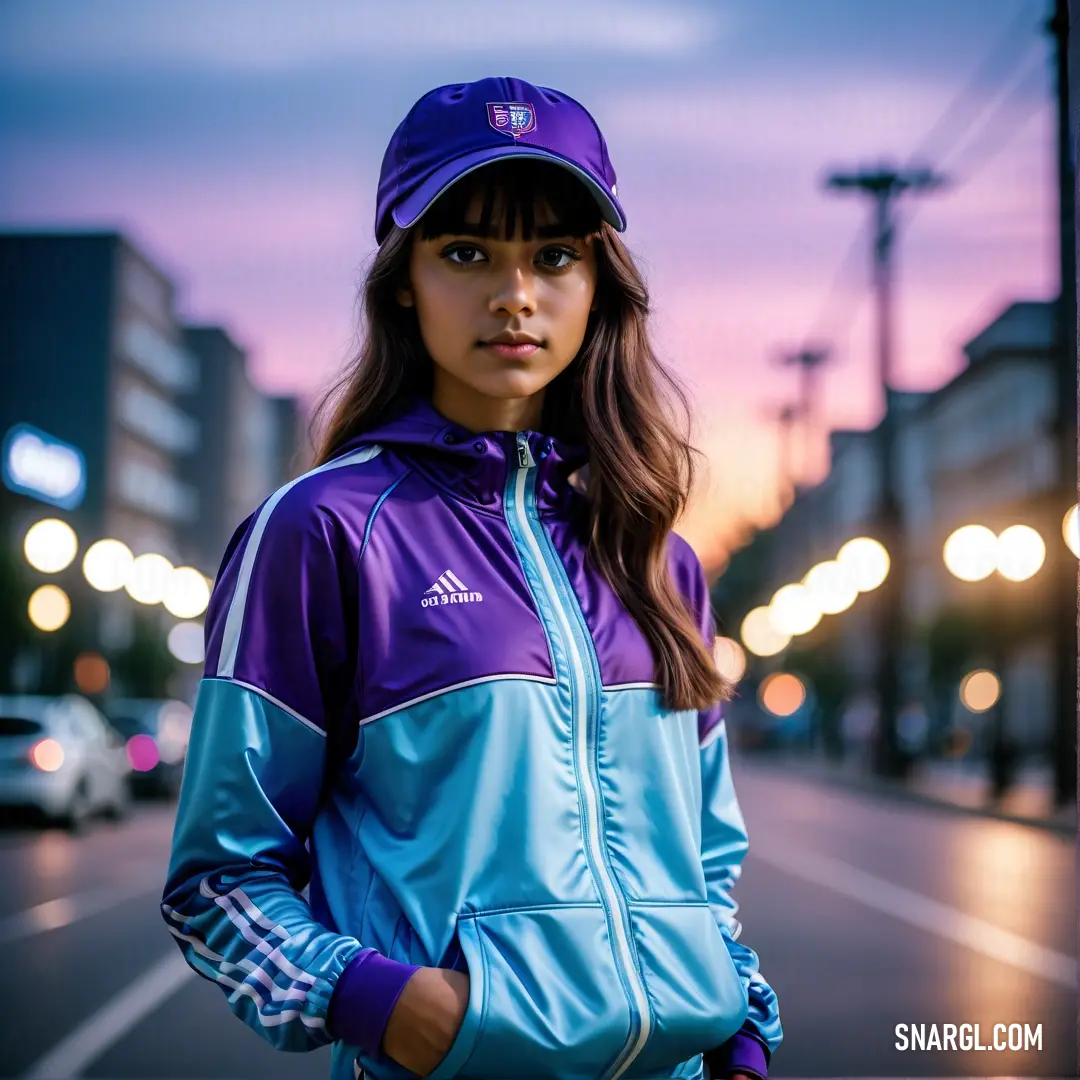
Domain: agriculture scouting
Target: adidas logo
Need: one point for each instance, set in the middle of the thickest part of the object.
(448, 589)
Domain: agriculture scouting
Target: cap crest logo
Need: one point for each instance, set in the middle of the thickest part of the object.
(514, 118)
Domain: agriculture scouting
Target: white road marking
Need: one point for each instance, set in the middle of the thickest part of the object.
(922, 912)
(113, 1020)
(65, 910)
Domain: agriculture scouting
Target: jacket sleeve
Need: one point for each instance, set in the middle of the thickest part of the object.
(724, 844)
(279, 672)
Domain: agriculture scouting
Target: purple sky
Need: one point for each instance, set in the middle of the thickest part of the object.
(240, 145)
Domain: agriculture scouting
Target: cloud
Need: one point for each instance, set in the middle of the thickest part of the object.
(259, 36)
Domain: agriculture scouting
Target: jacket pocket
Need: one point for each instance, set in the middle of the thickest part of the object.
(550, 1004)
(472, 1022)
(697, 997)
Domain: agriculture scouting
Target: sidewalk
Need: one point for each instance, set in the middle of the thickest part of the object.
(953, 785)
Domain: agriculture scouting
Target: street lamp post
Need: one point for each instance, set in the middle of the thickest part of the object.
(885, 185)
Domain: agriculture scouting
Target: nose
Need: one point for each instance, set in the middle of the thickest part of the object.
(514, 292)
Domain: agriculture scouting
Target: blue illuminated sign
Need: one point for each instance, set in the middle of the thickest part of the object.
(41, 466)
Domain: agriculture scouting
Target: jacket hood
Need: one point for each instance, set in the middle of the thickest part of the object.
(474, 464)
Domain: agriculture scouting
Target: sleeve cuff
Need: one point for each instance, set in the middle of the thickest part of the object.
(744, 1052)
(363, 998)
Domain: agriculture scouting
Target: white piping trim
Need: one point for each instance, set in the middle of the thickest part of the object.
(273, 701)
(234, 622)
(633, 686)
(714, 734)
(456, 686)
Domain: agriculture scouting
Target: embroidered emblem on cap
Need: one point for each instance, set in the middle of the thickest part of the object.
(513, 118)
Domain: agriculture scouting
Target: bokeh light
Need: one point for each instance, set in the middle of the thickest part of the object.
(173, 730)
(142, 752)
(830, 587)
(49, 608)
(781, 693)
(793, 611)
(149, 578)
(980, 690)
(185, 642)
(759, 636)
(92, 673)
(50, 545)
(1070, 530)
(971, 553)
(1021, 551)
(865, 562)
(187, 594)
(47, 755)
(730, 658)
(107, 565)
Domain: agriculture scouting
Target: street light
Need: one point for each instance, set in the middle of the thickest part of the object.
(186, 644)
(1070, 530)
(831, 587)
(971, 553)
(149, 578)
(1021, 551)
(186, 594)
(107, 565)
(50, 545)
(792, 610)
(49, 608)
(760, 636)
(865, 561)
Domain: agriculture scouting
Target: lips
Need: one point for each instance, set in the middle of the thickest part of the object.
(522, 348)
(509, 337)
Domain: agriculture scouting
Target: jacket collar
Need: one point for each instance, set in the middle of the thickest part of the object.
(475, 465)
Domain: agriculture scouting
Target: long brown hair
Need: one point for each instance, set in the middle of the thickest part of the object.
(641, 465)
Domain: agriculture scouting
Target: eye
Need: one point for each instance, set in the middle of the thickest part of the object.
(569, 254)
(467, 249)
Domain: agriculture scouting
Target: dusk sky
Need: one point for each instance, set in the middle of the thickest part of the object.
(238, 144)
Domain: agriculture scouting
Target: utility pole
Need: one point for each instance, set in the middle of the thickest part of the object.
(809, 361)
(785, 416)
(884, 186)
(1063, 565)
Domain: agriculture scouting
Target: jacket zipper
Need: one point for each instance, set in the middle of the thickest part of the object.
(583, 671)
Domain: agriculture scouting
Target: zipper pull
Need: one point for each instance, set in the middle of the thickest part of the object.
(524, 452)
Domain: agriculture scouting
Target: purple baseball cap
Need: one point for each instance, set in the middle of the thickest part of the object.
(455, 129)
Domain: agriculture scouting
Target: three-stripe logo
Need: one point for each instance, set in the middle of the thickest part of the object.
(449, 589)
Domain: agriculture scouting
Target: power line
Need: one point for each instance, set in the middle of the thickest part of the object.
(840, 307)
(992, 137)
(1003, 55)
(999, 129)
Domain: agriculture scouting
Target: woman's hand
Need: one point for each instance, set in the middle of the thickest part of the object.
(426, 1018)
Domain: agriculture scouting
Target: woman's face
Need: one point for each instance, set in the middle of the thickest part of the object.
(469, 289)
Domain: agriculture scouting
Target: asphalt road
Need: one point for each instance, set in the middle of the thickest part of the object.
(866, 914)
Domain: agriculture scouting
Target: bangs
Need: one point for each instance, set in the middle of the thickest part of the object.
(513, 189)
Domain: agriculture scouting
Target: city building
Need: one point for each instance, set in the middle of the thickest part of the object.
(249, 444)
(978, 450)
(981, 452)
(128, 427)
(93, 357)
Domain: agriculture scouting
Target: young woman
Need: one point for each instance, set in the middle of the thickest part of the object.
(458, 678)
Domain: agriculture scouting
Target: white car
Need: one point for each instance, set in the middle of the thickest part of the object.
(59, 756)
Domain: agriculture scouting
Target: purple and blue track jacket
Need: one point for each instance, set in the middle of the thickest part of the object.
(429, 733)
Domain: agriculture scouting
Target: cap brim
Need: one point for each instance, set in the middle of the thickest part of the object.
(413, 207)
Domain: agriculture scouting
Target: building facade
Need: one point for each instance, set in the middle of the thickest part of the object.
(93, 356)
